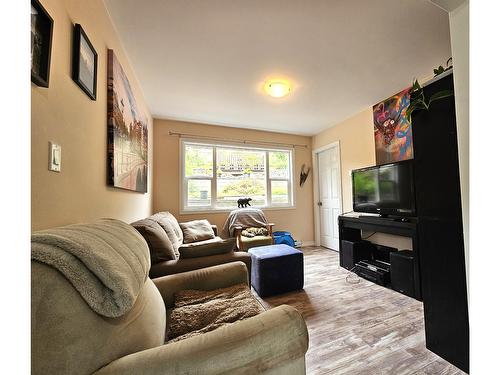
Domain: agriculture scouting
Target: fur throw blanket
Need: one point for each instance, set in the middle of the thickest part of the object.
(199, 311)
(107, 262)
(252, 232)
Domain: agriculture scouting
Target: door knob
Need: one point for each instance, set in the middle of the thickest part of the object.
(320, 203)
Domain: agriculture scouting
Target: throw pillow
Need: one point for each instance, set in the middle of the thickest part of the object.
(197, 230)
(170, 225)
(198, 311)
(160, 247)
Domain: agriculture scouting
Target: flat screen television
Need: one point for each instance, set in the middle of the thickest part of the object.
(384, 189)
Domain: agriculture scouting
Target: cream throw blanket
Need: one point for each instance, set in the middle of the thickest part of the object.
(107, 262)
(244, 217)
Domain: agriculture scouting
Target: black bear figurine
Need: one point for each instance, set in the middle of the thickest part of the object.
(244, 202)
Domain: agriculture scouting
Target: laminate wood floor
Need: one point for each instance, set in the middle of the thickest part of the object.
(360, 328)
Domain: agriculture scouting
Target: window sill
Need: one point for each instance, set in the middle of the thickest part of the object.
(227, 210)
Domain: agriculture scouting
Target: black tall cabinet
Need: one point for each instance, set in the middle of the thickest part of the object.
(440, 231)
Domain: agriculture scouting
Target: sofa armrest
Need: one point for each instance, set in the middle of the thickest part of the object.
(237, 235)
(209, 278)
(269, 227)
(214, 228)
(271, 339)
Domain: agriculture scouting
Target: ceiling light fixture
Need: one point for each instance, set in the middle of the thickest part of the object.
(277, 88)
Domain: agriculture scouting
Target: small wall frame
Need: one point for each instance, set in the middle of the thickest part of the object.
(41, 44)
(84, 69)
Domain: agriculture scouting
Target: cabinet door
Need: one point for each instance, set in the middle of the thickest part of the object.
(442, 266)
(437, 178)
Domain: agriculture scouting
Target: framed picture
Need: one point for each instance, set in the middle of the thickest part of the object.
(393, 132)
(127, 132)
(84, 62)
(41, 43)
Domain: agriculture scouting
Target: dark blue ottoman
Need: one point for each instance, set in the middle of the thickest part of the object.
(276, 269)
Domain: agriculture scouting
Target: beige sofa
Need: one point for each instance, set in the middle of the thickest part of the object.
(70, 337)
(170, 254)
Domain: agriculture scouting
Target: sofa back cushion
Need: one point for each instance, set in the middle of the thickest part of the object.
(170, 225)
(160, 246)
(209, 247)
(197, 230)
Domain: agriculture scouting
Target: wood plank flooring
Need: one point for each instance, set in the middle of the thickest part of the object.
(359, 328)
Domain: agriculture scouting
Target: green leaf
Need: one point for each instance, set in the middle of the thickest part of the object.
(440, 95)
(416, 104)
(419, 104)
(438, 71)
(448, 61)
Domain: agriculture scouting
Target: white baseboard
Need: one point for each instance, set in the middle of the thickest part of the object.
(308, 243)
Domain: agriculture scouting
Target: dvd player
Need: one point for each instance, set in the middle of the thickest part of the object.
(374, 270)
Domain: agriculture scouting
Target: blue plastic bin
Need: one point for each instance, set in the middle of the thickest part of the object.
(283, 238)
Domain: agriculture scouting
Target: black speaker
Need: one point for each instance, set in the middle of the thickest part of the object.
(351, 252)
(383, 253)
(402, 272)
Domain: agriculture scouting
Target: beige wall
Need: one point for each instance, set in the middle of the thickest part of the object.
(298, 221)
(357, 150)
(65, 115)
(459, 33)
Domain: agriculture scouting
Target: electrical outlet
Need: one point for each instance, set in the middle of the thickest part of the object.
(54, 157)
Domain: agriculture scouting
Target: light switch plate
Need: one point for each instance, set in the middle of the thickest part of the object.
(54, 157)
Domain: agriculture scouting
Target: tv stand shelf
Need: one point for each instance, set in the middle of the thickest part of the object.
(351, 225)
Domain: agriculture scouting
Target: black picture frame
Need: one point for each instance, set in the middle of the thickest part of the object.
(84, 54)
(42, 26)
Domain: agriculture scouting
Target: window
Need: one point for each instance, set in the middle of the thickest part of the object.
(215, 176)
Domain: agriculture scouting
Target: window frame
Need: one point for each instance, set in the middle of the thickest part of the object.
(183, 183)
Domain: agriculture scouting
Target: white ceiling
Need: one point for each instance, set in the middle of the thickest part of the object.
(205, 61)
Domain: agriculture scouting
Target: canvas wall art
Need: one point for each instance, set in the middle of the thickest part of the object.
(393, 133)
(127, 132)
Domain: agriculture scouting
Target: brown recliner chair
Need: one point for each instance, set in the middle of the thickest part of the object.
(170, 254)
(244, 218)
(80, 324)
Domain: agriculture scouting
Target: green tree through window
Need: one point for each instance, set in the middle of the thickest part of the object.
(263, 175)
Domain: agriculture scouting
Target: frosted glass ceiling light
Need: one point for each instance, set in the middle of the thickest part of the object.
(277, 88)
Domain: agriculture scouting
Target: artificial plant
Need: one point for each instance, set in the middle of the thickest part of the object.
(418, 99)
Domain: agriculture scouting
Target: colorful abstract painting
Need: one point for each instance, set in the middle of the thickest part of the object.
(127, 133)
(393, 135)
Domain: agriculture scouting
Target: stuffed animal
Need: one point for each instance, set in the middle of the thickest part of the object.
(244, 202)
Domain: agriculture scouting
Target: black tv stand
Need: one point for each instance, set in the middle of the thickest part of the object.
(351, 225)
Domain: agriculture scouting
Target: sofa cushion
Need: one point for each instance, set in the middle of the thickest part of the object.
(212, 246)
(170, 267)
(159, 244)
(200, 311)
(197, 230)
(247, 242)
(174, 232)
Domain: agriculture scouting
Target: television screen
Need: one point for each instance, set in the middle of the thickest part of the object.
(385, 189)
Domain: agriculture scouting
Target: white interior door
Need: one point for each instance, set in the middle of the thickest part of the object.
(330, 196)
